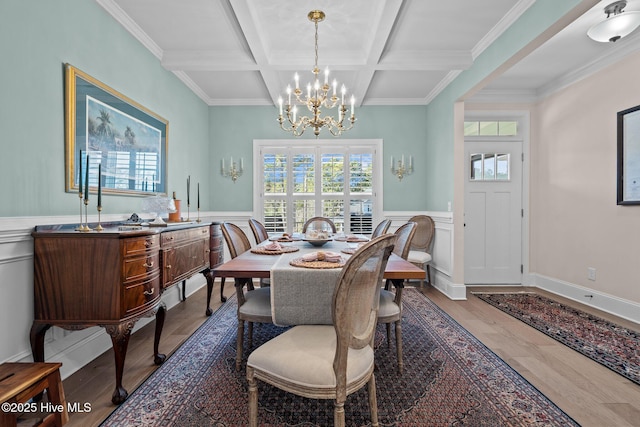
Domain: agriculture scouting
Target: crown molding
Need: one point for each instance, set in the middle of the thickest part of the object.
(121, 16)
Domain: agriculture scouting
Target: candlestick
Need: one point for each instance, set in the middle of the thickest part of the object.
(80, 174)
(86, 183)
(198, 195)
(188, 188)
(99, 185)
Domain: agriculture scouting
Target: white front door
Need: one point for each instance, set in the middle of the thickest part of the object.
(493, 212)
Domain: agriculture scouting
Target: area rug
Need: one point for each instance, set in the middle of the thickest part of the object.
(614, 346)
(450, 378)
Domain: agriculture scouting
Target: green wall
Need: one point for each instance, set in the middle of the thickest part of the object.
(440, 116)
(402, 129)
(36, 38)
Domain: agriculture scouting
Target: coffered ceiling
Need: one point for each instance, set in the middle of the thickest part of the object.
(386, 52)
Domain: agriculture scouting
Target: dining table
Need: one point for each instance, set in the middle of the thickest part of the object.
(301, 292)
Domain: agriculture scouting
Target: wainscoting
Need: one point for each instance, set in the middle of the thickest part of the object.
(76, 348)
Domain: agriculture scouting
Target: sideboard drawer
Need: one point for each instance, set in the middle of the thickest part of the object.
(138, 295)
(141, 266)
(143, 244)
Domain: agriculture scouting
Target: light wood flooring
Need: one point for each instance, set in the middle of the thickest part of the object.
(590, 393)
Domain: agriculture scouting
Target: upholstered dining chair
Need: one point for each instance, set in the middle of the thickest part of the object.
(259, 230)
(390, 310)
(254, 305)
(421, 245)
(329, 361)
(381, 228)
(319, 223)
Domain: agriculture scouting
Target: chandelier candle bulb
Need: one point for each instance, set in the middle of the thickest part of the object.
(280, 104)
(297, 79)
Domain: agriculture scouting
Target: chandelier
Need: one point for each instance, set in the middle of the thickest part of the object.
(318, 96)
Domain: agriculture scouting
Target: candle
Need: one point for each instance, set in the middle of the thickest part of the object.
(353, 106)
(391, 162)
(344, 90)
(280, 104)
(222, 170)
(198, 195)
(80, 175)
(289, 94)
(86, 182)
(241, 164)
(326, 75)
(335, 86)
(297, 79)
(99, 185)
(402, 163)
(188, 188)
(410, 162)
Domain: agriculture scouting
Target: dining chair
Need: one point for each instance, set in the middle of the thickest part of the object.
(421, 245)
(254, 305)
(390, 310)
(259, 231)
(381, 228)
(319, 223)
(329, 361)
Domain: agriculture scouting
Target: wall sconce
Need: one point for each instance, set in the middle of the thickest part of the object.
(233, 171)
(401, 170)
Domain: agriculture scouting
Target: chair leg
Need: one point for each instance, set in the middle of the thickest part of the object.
(399, 344)
(373, 401)
(239, 340)
(429, 274)
(250, 335)
(253, 398)
(222, 298)
(388, 335)
(338, 414)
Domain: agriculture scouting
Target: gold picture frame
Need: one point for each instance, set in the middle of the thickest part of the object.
(129, 141)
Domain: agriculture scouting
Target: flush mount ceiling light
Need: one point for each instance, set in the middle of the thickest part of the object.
(617, 25)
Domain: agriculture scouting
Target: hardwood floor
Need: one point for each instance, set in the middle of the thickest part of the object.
(590, 393)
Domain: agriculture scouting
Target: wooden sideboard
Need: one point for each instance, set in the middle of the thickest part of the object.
(115, 277)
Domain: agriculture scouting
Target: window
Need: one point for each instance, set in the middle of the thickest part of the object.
(337, 181)
(490, 128)
(490, 167)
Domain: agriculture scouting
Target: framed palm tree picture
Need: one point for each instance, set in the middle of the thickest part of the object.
(110, 134)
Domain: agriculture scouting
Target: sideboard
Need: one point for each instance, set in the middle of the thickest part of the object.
(114, 277)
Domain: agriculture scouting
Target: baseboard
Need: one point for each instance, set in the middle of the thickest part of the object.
(452, 290)
(75, 352)
(625, 309)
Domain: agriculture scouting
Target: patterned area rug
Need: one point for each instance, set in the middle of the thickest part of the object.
(611, 345)
(450, 378)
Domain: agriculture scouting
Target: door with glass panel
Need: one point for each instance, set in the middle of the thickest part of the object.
(493, 212)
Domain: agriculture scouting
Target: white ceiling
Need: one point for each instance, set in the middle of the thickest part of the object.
(386, 52)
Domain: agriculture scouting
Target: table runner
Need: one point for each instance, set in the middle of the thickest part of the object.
(303, 295)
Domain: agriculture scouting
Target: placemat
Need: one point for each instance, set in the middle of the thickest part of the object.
(284, 250)
(299, 262)
(284, 239)
(346, 239)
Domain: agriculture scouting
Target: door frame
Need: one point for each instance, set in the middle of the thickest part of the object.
(524, 118)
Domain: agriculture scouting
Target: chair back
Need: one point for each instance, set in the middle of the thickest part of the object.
(319, 223)
(237, 241)
(259, 230)
(425, 230)
(381, 228)
(404, 236)
(356, 299)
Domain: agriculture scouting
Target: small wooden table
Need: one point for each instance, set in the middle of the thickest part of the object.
(20, 382)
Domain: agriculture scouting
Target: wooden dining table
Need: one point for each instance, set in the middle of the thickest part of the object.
(250, 265)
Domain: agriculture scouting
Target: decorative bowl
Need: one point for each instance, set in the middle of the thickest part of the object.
(317, 242)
